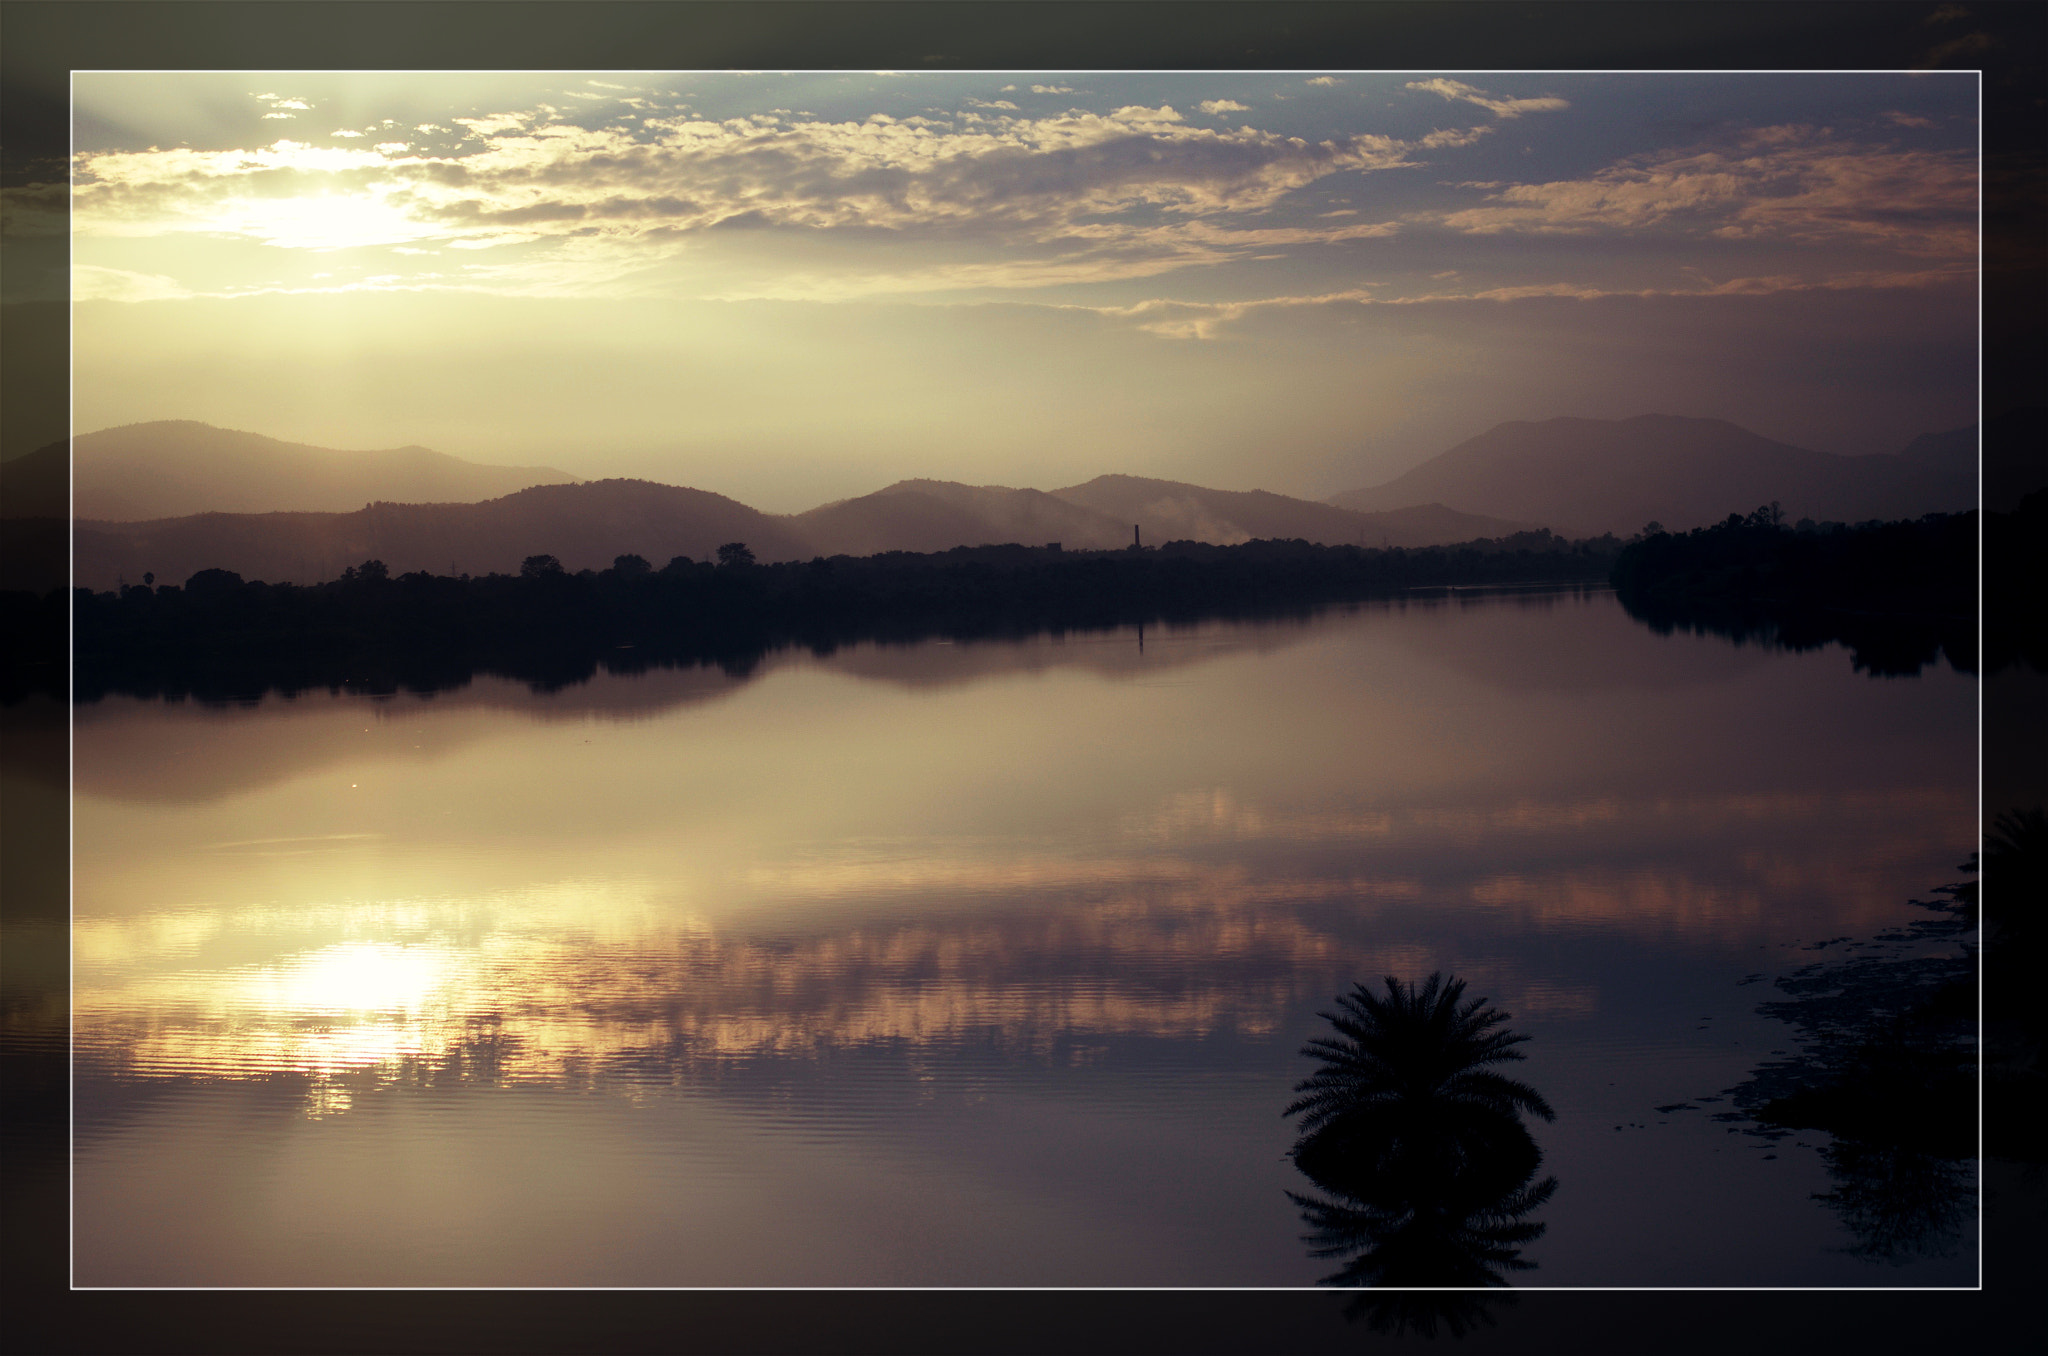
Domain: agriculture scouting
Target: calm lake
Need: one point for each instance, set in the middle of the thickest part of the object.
(976, 964)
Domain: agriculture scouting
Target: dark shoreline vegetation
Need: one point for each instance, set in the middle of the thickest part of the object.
(1897, 1045)
(1889, 1068)
(1898, 595)
(219, 637)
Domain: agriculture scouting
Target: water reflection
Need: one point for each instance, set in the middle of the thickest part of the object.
(1420, 1142)
(1881, 645)
(1023, 931)
(1888, 1070)
(1898, 1202)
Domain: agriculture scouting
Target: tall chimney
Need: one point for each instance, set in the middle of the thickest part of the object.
(1134, 535)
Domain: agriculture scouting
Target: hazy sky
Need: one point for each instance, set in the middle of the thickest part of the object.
(795, 287)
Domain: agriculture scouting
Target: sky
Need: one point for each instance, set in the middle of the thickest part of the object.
(798, 287)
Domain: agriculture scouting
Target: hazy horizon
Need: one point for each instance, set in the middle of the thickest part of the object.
(796, 288)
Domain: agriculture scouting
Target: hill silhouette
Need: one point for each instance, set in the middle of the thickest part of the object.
(1168, 510)
(173, 468)
(1587, 476)
(937, 515)
(588, 524)
(585, 526)
(1579, 477)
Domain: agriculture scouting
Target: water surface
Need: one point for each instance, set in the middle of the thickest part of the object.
(971, 964)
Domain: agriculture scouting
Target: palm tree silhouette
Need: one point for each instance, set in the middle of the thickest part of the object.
(1407, 1078)
(1408, 1123)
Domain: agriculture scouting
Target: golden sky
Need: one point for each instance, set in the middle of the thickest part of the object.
(792, 287)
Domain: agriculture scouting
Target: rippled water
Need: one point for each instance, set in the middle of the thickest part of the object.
(970, 964)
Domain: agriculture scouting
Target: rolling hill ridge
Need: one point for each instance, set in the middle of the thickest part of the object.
(1579, 477)
(1582, 477)
(174, 468)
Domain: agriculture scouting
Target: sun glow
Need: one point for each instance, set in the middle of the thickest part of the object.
(325, 221)
(355, 977)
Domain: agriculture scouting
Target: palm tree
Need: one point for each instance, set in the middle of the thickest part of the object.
(1416, 1060)
(1408, 1123)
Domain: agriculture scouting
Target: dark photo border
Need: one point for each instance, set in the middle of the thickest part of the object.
(41, 41)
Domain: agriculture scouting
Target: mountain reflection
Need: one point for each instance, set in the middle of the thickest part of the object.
(1419, 1144)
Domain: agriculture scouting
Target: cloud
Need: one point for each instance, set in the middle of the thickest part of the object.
(1500, 108)
(1441, 138)
(1325, 80)
(90, 282)
(1970, 44)
(1215, 106)
(1078, 194)
(1787, 182)
(279, 105)
(35, 209)
(1907, 119)
(1175, 319)
(1052, 89)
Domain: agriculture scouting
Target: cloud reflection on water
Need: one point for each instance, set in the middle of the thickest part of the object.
(1214, 926)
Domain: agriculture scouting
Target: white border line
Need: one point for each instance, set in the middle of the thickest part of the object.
(71, 1064)
(70, 695)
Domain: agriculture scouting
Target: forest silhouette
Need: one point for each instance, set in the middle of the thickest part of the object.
(1899, 595)
(221, 637)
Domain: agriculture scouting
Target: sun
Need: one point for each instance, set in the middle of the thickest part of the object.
(322, 221)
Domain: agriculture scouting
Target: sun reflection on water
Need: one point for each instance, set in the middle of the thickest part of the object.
(1027, 949)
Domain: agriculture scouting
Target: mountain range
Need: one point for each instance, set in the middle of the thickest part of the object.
(1583, 477)
(175, 467)
(177, 496)
(172, 498)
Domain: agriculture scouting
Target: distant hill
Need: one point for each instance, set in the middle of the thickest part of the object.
(937, 515)
(1955, 449)
(1165, 510)
(585, 526)
(173, 468)
(1582, 477)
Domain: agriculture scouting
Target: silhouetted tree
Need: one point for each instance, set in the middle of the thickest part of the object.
(630, 566)
(1421, 1141)
(735, 553)
(212, 583)
(535, 567)
(1418, 1052)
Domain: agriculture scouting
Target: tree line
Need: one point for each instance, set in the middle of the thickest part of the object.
(1900, 595)
(218, 635)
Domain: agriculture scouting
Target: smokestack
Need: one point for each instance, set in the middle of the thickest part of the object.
(1134, 535)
